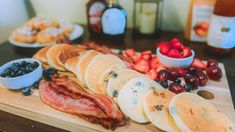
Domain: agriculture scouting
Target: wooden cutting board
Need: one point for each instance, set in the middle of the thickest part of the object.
(33, 108)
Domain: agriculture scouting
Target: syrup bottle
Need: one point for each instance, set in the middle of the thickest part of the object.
(114, 20)
(95, 9)
(221, 36)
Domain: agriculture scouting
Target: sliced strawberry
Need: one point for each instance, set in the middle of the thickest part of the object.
(135, 58)
(147, 52)
(154, 62)
(199, 64)
(186, 52)
(164, 47)
(141, 66)
(152, 74)
(182, 72)
(160, 67)
(176, 44)
(130, 52)
(174, 53)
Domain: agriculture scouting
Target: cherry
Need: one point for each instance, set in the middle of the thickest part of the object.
(192, 80)
(212, 63)
(162, 75)
(192, 70)
(173, 74)
(176, 88)
(202, 78)
(214, 73)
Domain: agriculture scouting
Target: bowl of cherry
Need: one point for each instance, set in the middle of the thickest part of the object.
(20, 73)
(174, 54)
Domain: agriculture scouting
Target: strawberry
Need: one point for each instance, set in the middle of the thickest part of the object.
(199, 64)
(142, 66)
(152, 74)
(175, 43)
(154, 62)
(148, 52)
(186, 52)
(160, 67)
(130, 52)
(174, 53)
(164, 47)
(135, 58)
(182, 72)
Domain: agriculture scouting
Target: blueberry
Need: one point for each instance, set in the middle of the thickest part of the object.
(164, 84)
(48, 73)
(188, 87)
(120, 52)
(29, 68)
(23, 64)
(36, 84)
(35, 64)
(177, 81)
(26, 91)
(20, 72)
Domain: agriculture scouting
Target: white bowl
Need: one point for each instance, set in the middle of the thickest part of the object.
(24, 80)
(175, 62)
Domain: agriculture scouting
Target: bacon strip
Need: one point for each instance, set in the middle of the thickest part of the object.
(65, 95)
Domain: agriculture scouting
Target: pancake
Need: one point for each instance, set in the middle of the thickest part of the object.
(97, 67)
(115, 83)
(156, 107)
(82, 64)
(71, 63)
(192, 113)
(53, 53)
(42, 54)
(130, 98)
(67, 54)
(104, 78)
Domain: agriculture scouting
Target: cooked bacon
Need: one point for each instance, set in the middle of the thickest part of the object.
(104, 49)
(66, 95)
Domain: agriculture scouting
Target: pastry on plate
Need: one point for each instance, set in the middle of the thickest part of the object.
(50, 35)
(41, 23)
(66, 26)
(24, 34)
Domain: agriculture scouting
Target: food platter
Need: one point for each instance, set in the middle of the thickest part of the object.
(78, 31)
(33, 108)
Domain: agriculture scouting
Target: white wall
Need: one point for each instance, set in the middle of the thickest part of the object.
(174, 13)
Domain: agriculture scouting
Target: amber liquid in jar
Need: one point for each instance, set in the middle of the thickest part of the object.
(221, 36)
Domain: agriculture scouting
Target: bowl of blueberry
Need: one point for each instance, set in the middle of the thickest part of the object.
(20, 73)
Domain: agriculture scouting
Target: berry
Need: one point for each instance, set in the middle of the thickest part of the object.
(173, 74)
(154, 62)
(26, 91)
(174, 53)
(164, 84)
(182, 72)
(192, 70)
(175, 43)
(36, 84)
(152, 74)
(141, 66)
(176, 88)
(164, 48)
(199, 64)
(162, 76)
(188, 88)
(129, 52)
(214, 73)
(202, 78)
(212, 63)
(186, 52)
(120, 52)
(177, 81)
(48, 73)
(146, 55)
(192, 81)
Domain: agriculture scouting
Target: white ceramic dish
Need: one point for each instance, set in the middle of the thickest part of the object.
(175, 62)
(24, 80)
(78, 31)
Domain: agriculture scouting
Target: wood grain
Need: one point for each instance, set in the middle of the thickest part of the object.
(33, 108)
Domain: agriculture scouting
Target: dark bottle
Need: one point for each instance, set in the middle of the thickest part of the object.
(114, 20)
(95, 9)
(221, 36)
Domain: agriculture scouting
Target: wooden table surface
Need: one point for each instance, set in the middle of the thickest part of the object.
(12, 123)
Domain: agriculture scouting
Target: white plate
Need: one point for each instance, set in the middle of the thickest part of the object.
(78, 31)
